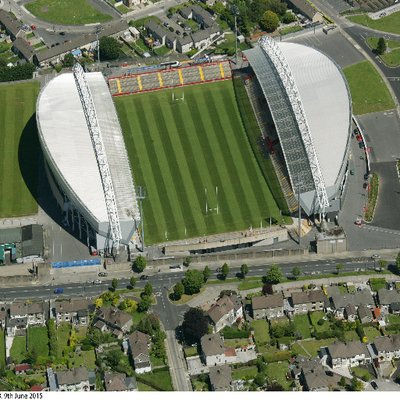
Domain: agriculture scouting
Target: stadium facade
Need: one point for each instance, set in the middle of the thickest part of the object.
(86, 159)
(310, 104)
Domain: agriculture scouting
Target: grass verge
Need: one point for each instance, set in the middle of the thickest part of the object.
(391, 23)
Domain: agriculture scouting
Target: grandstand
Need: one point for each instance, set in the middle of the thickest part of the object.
(306, 122)
(86, 160)
(169, 78)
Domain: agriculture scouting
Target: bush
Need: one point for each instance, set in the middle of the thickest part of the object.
(17, 73)
(321, 322)
(288, 17)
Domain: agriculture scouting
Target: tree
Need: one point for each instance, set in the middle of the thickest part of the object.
(114, 283)
(381, 46)
(179, 289)
(69, 60)
(140, 263)
(269, 21)
(267, 289)
(224, 270)
(195, 325)
(397, 267)
(296, 272)
(109, 48)
(288, 17)
(274, 275)
(144, 304)
(356, 385)
(17, 73)
(206, 273)
(339, 267)
(244, 269)
(132, 282)
(259, 379)
(99, 302)
(342, 381)
(193, 281)
(187, 261)
(383, 264)
(148, 289)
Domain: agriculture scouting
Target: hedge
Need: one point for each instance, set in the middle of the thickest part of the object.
(17, 73)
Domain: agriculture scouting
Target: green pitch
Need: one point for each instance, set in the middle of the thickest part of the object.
(18, 149)
(181, 149)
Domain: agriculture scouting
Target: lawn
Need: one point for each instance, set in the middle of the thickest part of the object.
(290, 29)
(66, 12)
(236, 342)
(250, 284)
(142, 387)
(84, 359)
(368, 91)
(303, 325)
(311, 346)
(361, 373)
(371, 333)
(261, 331)
(244, 373)
(63, 332)
(189, 154)
(38, 340)
(2, 350)
(277, 372)
(19, 147)
(190, 351)
(377, 283)
(315, 317)
(157, 379)
(393, 319)
(18, 349)
(350, 336)
(391, 23)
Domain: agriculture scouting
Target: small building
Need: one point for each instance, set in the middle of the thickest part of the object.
(23, 49)
(395, 308)
(303, 302)
(198, 14)
(184, 44)
(34, 312)
(221, 378)
(10, 24)
(213, 350)
(387, 348)
(73, 380)
(306, 9)
(340, 301)
(269, 307)
(386, 297)
(225, 312)
(364, 314)
(139, 344)
(350, 312)
(118, 382)
(110, 319)
(332, 241)
(203, 37)
(75, 311)
(157, 32)
(20, 369)
(349, 354)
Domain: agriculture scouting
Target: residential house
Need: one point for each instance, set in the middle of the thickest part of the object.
(203, 37)
(184, 44)
(17, 326)
(303, 364)
(23, 49)
(73, 380)
(34, 312)
(269, 307)
(350, 312)
(364, 314)
(198, 14)
(20, 369)
(387, 347)
(317, 380)
(3, 317)
(225, 311)
(118, 382)
(306, 9)
(348, 354)
(213, 349)
(139, 344)
(387, 297)
(303, 302)
(110, 319)
(157, 31)
(221, 378)
(394, 308)
(75, 311)
(10, 24)
(340, 301)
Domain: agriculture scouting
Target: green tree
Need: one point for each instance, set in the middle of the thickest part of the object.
(140, 263)
(288, 17)
(339, 267)
(193, 281)
(179, 289)
(274, 275)
(109, 48)
(148, 289)
(206, 273)
(244, 269)
(296, 272)
(114, 283)
(259, 379)
(187, 261)
(195, 325)
(132, 282)
(269, 21)
(69, 60)
(342, 381)
(356, 385)
(381, 46)
(218, 7)
(383, 264)
(225, 270)
(144, 304)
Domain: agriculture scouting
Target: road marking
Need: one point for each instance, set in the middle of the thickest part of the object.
(180, 76)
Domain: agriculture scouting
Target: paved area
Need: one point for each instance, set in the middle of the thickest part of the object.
(210, 294)
(384, 385)
(195, 366)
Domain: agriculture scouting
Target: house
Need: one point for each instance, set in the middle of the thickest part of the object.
(213, 349)
(364, 314)
(270, 306)
(23, 49)
(225, 311)
(387, 347)
(386, 297)
(350, 312)
(303, 364)
(303, 302)
(139, 344)
(76, 379)
(118, 382)
(198, 14)
(75, 311)
(184, 44)
(20, 369)
(340, 301)
(157, 32)
(34, 312)
(317, 380)
(51, 380)
(221, 378)
(306, 9)
(110, 319)
(10, 24)
(348, 354)
(394, 308)
(3, 317)
(17, 326)
(203, 37)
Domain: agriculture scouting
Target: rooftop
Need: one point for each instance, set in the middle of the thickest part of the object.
(212, 345)
(270, 301)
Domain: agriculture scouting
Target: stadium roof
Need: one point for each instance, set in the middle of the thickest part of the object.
(65, 136)
(325, 101)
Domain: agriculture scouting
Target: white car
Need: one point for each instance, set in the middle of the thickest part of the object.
(375, 256)
(97, 282)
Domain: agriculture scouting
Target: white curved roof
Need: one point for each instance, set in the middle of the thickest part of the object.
(326, 102)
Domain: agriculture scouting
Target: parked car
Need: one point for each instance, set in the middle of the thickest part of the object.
(144, 277)
(375, 256)
(97, 282)
(58, 290)
(102, 274)
(374, 385)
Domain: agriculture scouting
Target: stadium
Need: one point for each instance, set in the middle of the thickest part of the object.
(188, 146)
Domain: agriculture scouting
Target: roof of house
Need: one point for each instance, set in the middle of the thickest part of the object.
(203, 34)
(186, 11)
(24, 48)
(304, 7)
(22, 367)
(184, 40)
(377, 312)
(311, 296)
(364, 311)
(204, 14)
(10, 23)
(270, 301)
(139, 344)
(25, 308)
(350, 309)
(223, 306)
(395, 306)
(347, 350)
(156, 28)
(387, 343)
(220, 377)
(319, 380)
(72, 305)
(362, 297)
(212, 345)
(386, 296)
(118, 382)
(73, 376)
(113, 316)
